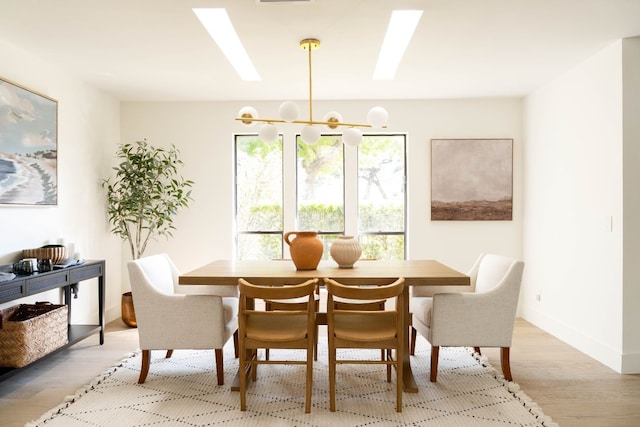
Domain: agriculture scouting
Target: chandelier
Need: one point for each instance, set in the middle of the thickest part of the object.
(310, 133)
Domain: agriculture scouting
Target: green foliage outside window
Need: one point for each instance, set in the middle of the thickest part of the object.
(319, 217)
(382, 246)
(381, 217)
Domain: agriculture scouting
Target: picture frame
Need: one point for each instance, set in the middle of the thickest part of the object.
(471, 179)
(28, 146)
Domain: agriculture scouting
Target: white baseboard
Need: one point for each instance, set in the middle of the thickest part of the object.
(612, 358)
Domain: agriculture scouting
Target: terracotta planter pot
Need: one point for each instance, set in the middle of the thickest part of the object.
(128, 314)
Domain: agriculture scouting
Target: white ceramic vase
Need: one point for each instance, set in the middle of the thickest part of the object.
(345, 250)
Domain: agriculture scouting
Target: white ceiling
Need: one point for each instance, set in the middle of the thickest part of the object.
(158, 50)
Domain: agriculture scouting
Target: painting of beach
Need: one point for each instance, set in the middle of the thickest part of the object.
(28, 146)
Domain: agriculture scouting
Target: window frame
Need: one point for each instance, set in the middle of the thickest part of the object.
(350, 195)
(237, 232)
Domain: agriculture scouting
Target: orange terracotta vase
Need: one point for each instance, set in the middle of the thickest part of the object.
(305, 248)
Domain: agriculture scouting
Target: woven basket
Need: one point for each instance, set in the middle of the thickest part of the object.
(56, 254)
(22, 342)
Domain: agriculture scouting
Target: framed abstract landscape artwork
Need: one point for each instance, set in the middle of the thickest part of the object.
(28, 147)
(471, 179)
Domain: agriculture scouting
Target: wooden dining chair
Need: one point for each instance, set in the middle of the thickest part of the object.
(366, 329)
(353, 304)
(295, 304)
(284, 329)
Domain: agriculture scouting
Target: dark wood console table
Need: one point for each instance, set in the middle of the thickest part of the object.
(68, 279)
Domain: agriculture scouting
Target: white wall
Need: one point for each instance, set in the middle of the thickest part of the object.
(631, 206)
(573, 215)
(204, 131)
(88, 129)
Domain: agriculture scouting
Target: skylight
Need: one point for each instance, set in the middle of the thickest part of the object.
(220, 28)
(399, 32)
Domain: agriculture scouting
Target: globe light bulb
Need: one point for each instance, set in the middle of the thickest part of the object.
(310, 134)
(248, 113)
(333, 117)
(289, 111)
(352, 136)
(377, 117)
(268, 132)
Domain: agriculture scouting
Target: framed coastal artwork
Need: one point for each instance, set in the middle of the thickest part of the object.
(471, 179)
(28, 146)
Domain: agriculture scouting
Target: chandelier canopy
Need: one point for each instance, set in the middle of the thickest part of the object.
(310, 133)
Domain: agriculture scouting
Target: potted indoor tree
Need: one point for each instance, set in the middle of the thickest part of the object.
(143, 198)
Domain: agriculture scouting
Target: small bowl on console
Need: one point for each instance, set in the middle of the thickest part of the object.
(56, 253)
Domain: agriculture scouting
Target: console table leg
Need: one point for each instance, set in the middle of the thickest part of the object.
(101, 306)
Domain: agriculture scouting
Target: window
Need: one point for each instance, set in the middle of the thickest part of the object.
(320, 188)
(259, 201)
(381, 196)
(330, 188)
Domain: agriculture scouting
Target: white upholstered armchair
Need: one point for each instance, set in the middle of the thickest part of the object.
(483, 316)
(169, 320)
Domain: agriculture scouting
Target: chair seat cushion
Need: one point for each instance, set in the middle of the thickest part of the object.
(421, 309)
(365, 328)
(277, 328)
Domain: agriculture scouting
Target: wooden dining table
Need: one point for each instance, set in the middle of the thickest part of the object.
(364, 272)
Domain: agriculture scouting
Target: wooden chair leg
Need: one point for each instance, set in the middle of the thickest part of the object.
(309, 380)
(332, 379)
(477, 350)
(412, 345)
(242, 364)
(315, 343)
(169, 354)
(219, 366)
(434, 363)
(267, 307)
(399, 378)
(254, 365)
(144, 369)
(506, 365)
(389, 358)
(235, 343)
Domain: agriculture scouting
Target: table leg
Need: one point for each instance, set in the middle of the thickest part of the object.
(408, 381)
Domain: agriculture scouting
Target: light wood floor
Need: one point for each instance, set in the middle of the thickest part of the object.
(570, 387)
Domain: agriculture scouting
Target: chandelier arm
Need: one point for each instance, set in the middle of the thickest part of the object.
(309, 122)
(336, 124)
(251, 119)
(310, 48)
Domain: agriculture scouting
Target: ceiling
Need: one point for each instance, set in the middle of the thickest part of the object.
(158, 50)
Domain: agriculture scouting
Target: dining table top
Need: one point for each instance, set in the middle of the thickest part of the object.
(365, 272)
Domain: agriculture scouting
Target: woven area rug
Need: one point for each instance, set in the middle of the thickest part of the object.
(182, 391)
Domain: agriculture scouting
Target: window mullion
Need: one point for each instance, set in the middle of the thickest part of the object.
(350, 190)
(290, 182)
